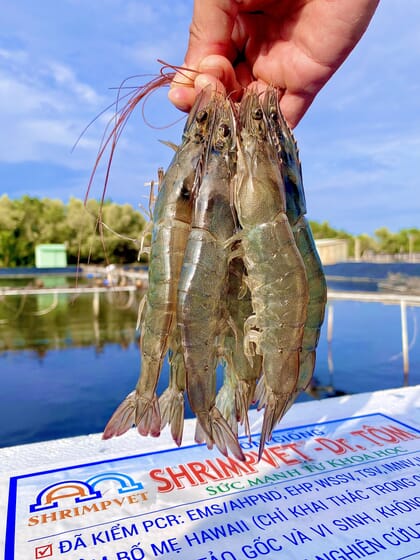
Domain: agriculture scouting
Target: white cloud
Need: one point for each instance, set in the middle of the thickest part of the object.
(363, 174)
(42, 113)
(65, 77)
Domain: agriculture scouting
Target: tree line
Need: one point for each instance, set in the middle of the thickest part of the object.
(383, 241)
(29, 221)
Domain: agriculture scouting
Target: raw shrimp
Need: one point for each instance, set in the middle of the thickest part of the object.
(291, 172)
(241, 374)
(171, 226)
(276, 274)
(203, 282)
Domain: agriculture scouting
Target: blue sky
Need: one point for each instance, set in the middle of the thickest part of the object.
(60, 63)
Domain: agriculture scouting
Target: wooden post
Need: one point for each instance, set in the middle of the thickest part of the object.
(330, 322)
(96, 296)
(404, 337)
(357, 249)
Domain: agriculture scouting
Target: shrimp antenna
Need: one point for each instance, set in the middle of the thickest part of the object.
(166, 75)
(171, 70)
(121, 117)
(121, 87)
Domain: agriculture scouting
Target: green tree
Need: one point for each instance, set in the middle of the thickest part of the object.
(126, 225)
(367, 243)
(325, 231)
(80, 224)
(104, 234)
(53, 227)
(91, 232)
(10, 218)
(387, 241)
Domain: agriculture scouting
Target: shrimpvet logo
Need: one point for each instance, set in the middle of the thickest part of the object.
(78, 492)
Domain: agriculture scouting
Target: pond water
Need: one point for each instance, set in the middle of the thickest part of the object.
(65, 366)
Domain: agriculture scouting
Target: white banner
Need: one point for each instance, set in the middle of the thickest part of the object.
(340, 490)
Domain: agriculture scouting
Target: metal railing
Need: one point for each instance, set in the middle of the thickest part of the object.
(403, 300)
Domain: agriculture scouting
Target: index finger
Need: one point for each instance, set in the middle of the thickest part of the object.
(210, 34)
(211, 30)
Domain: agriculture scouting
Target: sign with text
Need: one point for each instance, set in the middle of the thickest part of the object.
(339, 490)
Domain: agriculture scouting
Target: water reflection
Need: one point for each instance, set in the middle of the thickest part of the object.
(54, 321)
(66, 362)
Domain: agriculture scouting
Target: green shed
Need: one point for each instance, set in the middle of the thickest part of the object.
(53, 255)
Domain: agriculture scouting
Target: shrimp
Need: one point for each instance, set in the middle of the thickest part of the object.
(276, 274)
(291, 171)
(203, 283)
(171, 226)
(241, 374)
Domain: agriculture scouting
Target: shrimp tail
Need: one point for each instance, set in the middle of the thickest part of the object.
(171, 405)
(244, 395)
(212, 428)
(134, 411)
(123, 417)
(274, 407)
(171, 402)
(226, 402)
(148, 417)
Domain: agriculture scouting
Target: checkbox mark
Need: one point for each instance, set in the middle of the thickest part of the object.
(43, 551)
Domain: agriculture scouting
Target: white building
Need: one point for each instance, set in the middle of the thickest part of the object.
(332, 251)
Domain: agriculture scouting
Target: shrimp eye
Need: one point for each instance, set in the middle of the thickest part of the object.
(273, 115)
(224, 129)
(257, 114)
(201, 116)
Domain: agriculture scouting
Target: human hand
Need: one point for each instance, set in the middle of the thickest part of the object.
(294, 45)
